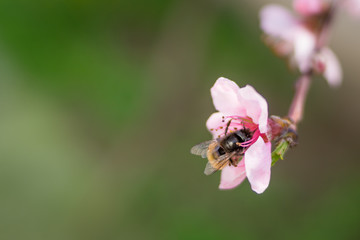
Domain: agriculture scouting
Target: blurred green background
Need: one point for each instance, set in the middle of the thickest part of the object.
(101, 102)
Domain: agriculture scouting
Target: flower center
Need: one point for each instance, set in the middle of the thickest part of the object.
(236, 123)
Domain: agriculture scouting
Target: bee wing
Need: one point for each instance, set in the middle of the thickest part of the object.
(209, 169)
(221, 163)
(201, 148)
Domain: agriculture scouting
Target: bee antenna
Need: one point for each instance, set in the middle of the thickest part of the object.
(227, 126)
(242, 121)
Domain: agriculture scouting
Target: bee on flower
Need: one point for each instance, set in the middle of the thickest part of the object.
(241, 148)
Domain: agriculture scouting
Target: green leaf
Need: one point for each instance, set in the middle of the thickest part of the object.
(279, 151)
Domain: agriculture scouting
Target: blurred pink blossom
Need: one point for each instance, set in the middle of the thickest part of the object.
(296, 38)
(283, 28)
(248, 109)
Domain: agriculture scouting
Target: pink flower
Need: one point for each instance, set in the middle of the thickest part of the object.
(247, 109)
(296, 39)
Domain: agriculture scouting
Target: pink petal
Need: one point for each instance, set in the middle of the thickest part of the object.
(256, 106)
(333, 71)
(309, 7)
(277, 21)
(304, 48)
(258, 165)
(214, 122)
(224, 94)
(232, 176)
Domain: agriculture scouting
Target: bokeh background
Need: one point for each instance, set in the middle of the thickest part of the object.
(101, 101)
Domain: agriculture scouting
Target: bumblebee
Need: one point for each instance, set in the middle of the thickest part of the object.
(223, 151)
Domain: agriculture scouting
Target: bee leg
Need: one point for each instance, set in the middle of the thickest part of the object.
(232, 162)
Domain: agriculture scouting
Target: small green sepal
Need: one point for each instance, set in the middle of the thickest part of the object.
(279, 151)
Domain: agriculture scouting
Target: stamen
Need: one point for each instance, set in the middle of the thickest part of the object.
(237, 123)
